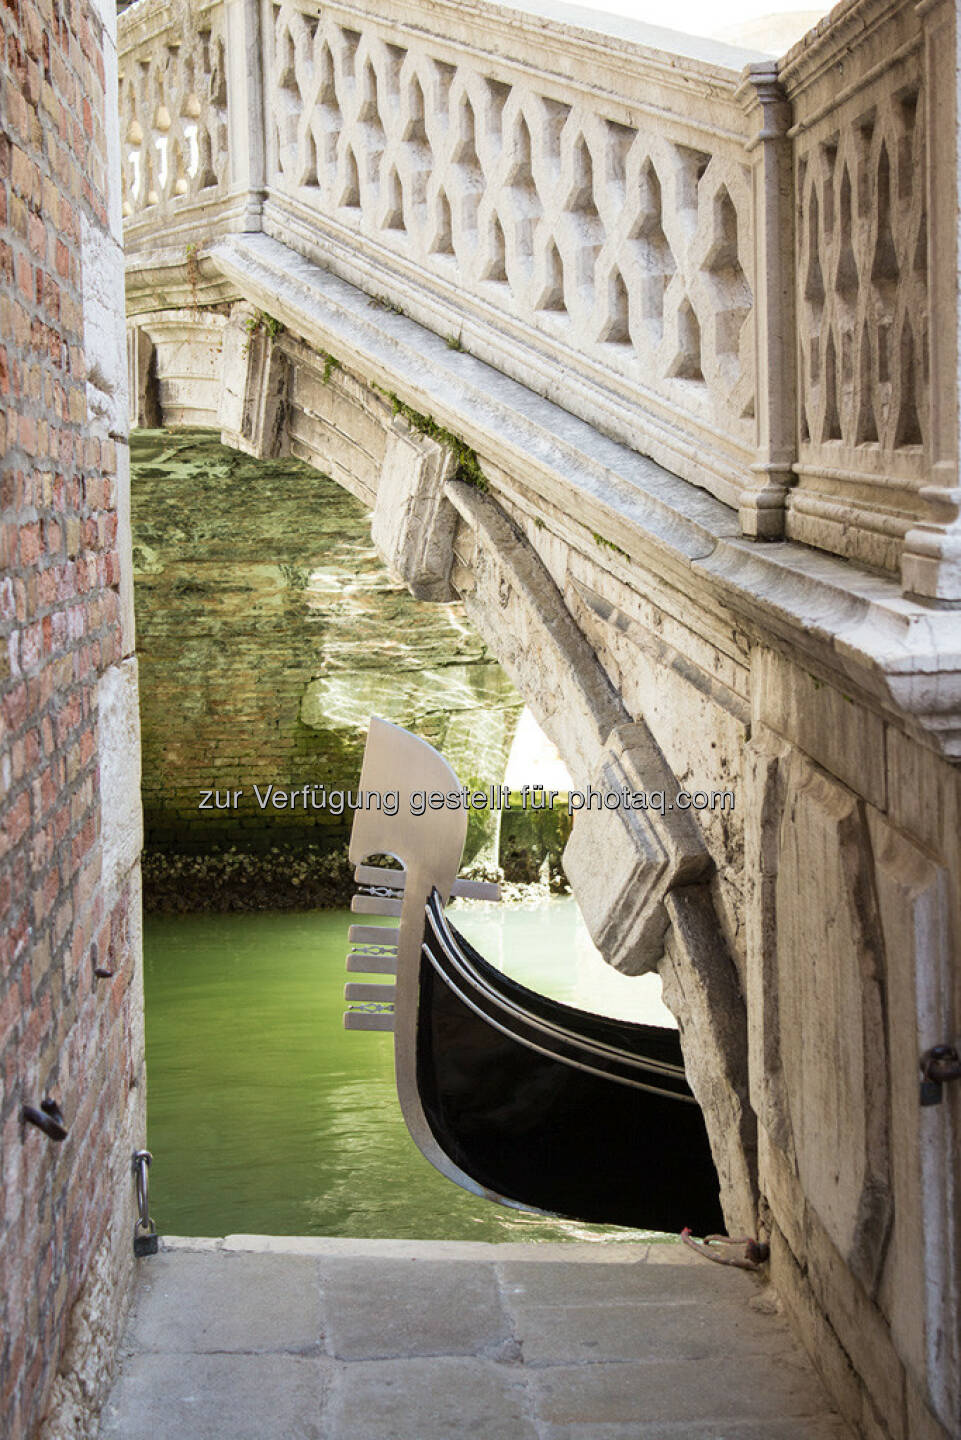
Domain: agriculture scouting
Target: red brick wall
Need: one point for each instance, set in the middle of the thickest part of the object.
(63, 1032)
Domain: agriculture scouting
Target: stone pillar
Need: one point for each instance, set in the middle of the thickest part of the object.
(931, 558)
(761, 505)
(245, 106)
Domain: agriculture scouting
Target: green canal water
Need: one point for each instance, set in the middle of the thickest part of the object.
(265, 1116)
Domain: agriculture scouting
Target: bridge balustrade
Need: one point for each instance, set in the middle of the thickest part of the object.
(721, 260)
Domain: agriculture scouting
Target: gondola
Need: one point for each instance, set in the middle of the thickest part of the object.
(514, 1096)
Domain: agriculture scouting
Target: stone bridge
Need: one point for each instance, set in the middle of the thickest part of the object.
(649, 356)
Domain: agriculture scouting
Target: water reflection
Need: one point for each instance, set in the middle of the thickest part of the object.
(545, 945)
(264, 1116)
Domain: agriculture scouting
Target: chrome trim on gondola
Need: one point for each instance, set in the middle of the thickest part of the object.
(438, 923)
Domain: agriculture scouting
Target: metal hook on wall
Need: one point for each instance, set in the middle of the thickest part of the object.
(49, 1119)
(145, 1241)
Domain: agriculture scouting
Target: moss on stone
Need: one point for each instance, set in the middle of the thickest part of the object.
(468, 465)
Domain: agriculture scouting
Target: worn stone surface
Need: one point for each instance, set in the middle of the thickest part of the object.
(622, 861)
(254, 384)
(121, 832)
(413, 523)
(424, 1341)
(210, 1397)
(831, 983)
(701, 988)
(412, 1307)
(204, 1303)
(429, 1399)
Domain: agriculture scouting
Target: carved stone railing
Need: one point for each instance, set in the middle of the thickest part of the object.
(181, 180)
(861, 282)
(729, 266)
(577, 213)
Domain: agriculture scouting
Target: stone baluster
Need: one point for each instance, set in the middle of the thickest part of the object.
(245, 108)
(761, 506)
(931, 558)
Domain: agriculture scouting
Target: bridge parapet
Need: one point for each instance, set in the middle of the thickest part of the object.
(724, 262)
(861, 176)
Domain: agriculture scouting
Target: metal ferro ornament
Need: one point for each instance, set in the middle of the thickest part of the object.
(513, 1096)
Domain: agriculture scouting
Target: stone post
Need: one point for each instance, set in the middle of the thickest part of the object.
(245, 107)
(761, 503)
(931, 558)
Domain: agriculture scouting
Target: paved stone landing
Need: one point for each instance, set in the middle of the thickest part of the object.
(259, 1338)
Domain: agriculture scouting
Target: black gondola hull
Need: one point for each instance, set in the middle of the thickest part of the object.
(555, 1109)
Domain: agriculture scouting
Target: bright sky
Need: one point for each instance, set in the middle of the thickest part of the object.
(698, 17)
(713, 18)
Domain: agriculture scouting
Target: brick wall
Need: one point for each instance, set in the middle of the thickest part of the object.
(69, 823)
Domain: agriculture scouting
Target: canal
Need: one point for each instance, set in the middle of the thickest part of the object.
(265, 1116)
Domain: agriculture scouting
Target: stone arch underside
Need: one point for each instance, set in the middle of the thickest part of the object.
(442, 520)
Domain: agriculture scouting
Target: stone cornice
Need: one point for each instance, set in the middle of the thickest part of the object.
(832, 40)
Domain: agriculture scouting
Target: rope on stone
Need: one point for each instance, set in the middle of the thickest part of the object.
(755, 1251)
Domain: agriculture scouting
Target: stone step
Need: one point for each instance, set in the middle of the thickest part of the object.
(301, 1338)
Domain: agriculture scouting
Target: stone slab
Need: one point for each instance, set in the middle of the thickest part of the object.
(580, 1334)
(821, 1427)
(118, 744)
(210, 1397)
(210, 1302)
(543, 1252)
(716, 1390)
(429, 1399)
(645, 1350)
(669, 1282)
(412, 1307)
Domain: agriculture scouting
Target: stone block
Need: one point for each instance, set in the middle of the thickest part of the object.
(118, 731)
(253, 386)
(815, 1332)
(125, 551)
(858, 1324)
(205, 1397)
(922, 1425)
(763, 802)
(510, 597)
(103, 330)
(655, 1330)
(917, 1290)
(381, 1310)
(820, 1427)
(429, 1399)
(836, 731)
(671, 1275)
(213, 1303)
(345, 405)
(672, 1391)
(923, 791)
(622, 861)
(413, 523)
(831, 998)
(142, 384)
(701, 988)
(779, 1184)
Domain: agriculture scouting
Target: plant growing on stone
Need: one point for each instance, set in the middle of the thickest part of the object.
(468, 465)
(270, 325)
